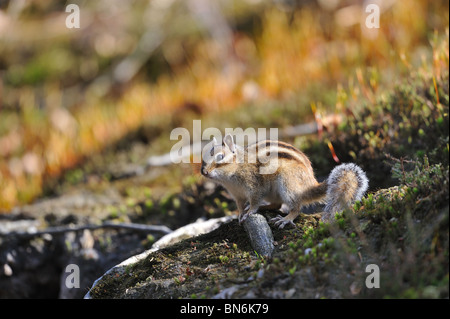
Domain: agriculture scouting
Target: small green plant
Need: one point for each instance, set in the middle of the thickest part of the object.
(224, 259)
(292, 270)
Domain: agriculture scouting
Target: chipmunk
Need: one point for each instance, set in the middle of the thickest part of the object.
(289, 184)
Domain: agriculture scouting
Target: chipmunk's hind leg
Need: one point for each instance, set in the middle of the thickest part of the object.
(291, 207)
(294, 204)
(284, 209)
(282, 221)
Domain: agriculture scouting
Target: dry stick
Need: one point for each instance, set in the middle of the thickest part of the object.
(63, 229)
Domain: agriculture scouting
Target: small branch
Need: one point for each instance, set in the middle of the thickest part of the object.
(164, 230)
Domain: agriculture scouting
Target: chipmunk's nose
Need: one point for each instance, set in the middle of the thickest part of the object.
(203, 170)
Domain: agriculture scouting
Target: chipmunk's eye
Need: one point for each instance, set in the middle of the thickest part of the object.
(219, 157)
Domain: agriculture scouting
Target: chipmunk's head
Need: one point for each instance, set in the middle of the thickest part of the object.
(220, 160)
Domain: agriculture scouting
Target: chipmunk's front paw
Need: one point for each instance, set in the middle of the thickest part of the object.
(247, 213)
(243, 217)
(281, 221)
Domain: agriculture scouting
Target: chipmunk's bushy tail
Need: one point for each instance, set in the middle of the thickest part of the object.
(346, 184)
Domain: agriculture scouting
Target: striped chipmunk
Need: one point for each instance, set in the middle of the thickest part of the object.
(276, 175)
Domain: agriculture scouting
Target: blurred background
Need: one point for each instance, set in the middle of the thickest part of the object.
(68, 93)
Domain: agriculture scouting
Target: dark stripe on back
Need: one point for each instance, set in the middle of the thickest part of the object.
(288, 156)
(288, 146)
(281, 145)
(296, 154)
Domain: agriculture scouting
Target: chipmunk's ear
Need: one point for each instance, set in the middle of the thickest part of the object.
(215, 141)
(228, 141)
